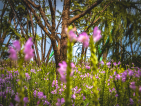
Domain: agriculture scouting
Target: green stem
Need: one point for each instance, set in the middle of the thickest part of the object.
(94, 62)
(68, 78)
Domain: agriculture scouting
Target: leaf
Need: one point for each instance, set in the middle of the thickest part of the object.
(20, 7)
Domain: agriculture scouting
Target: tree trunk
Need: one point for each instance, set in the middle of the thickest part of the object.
(63, 43)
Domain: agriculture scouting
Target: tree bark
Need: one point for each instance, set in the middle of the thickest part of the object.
(34, 39)
(60, 52)
(65, 18)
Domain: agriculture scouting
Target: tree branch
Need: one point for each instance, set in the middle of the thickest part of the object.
(41, 12)
(93, 22)
(58, 23)
(75, 11)
(71, 20)
(51, 8)
(38, 19)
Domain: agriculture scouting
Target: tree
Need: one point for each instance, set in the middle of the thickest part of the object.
(84, 15)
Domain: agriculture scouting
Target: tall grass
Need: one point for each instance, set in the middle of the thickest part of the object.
(108, 85)
(114, 85)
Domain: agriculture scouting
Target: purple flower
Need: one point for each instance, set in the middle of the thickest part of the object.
(87, 67)
(60, 101)
(140, 89)
(62, 71)
(72, 65)
(54, 92)
(35, 93)
(131, 101)
(115, 63)
(33, 70)
(17, 99)
(25, 99)
(11, 104)
(131, 73)
(89, 87)
(84, 97)
(123, 79)
(28, 45)
(40, 95)
(38, 102)
(119, 63)
(29, 55)
(53, 83)
(96, 34)
(72, 36)
(113, 89)
(108, 64)
(125, 73)
(102, 62)
(116, 95)
(46, 102)
(13, 53)
(139, 72)
(115, 73)
(84, 38)
(110, 90)
(78, 90)
(73, 96)
(132, 85)
(27, 76)
(17, 46)
(118, 76)
(28, 50)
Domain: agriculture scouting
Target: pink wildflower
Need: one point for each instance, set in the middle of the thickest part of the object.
(96, 34)
(17, 99)
(16, 44)
(71, 34)
(28, 50)
(84, 38)
(60, 101)
(25, 99)
(13, 54)
(62, 70)
(13, 51)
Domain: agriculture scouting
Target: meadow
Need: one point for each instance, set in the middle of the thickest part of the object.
(116, 86)
(75, 84)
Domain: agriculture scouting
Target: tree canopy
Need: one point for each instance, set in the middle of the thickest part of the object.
(21, 18)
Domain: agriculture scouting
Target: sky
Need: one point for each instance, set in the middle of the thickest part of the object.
(60, 8)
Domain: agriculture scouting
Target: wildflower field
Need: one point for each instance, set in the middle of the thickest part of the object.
(75, 84)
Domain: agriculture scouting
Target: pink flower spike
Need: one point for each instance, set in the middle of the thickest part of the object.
(17, 99)
(25, 99)
(72, 36)
(28, 50)
(62, 71)
(84, 38)
(96, 34)
(72, 65)
(16, 44)
(29, 55)
(28, 45)
(13, 54)
(87, 67)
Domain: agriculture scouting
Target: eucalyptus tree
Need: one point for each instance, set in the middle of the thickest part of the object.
(83, 14)
(50, 27)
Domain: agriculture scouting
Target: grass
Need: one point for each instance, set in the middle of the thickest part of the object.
(41, 89)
